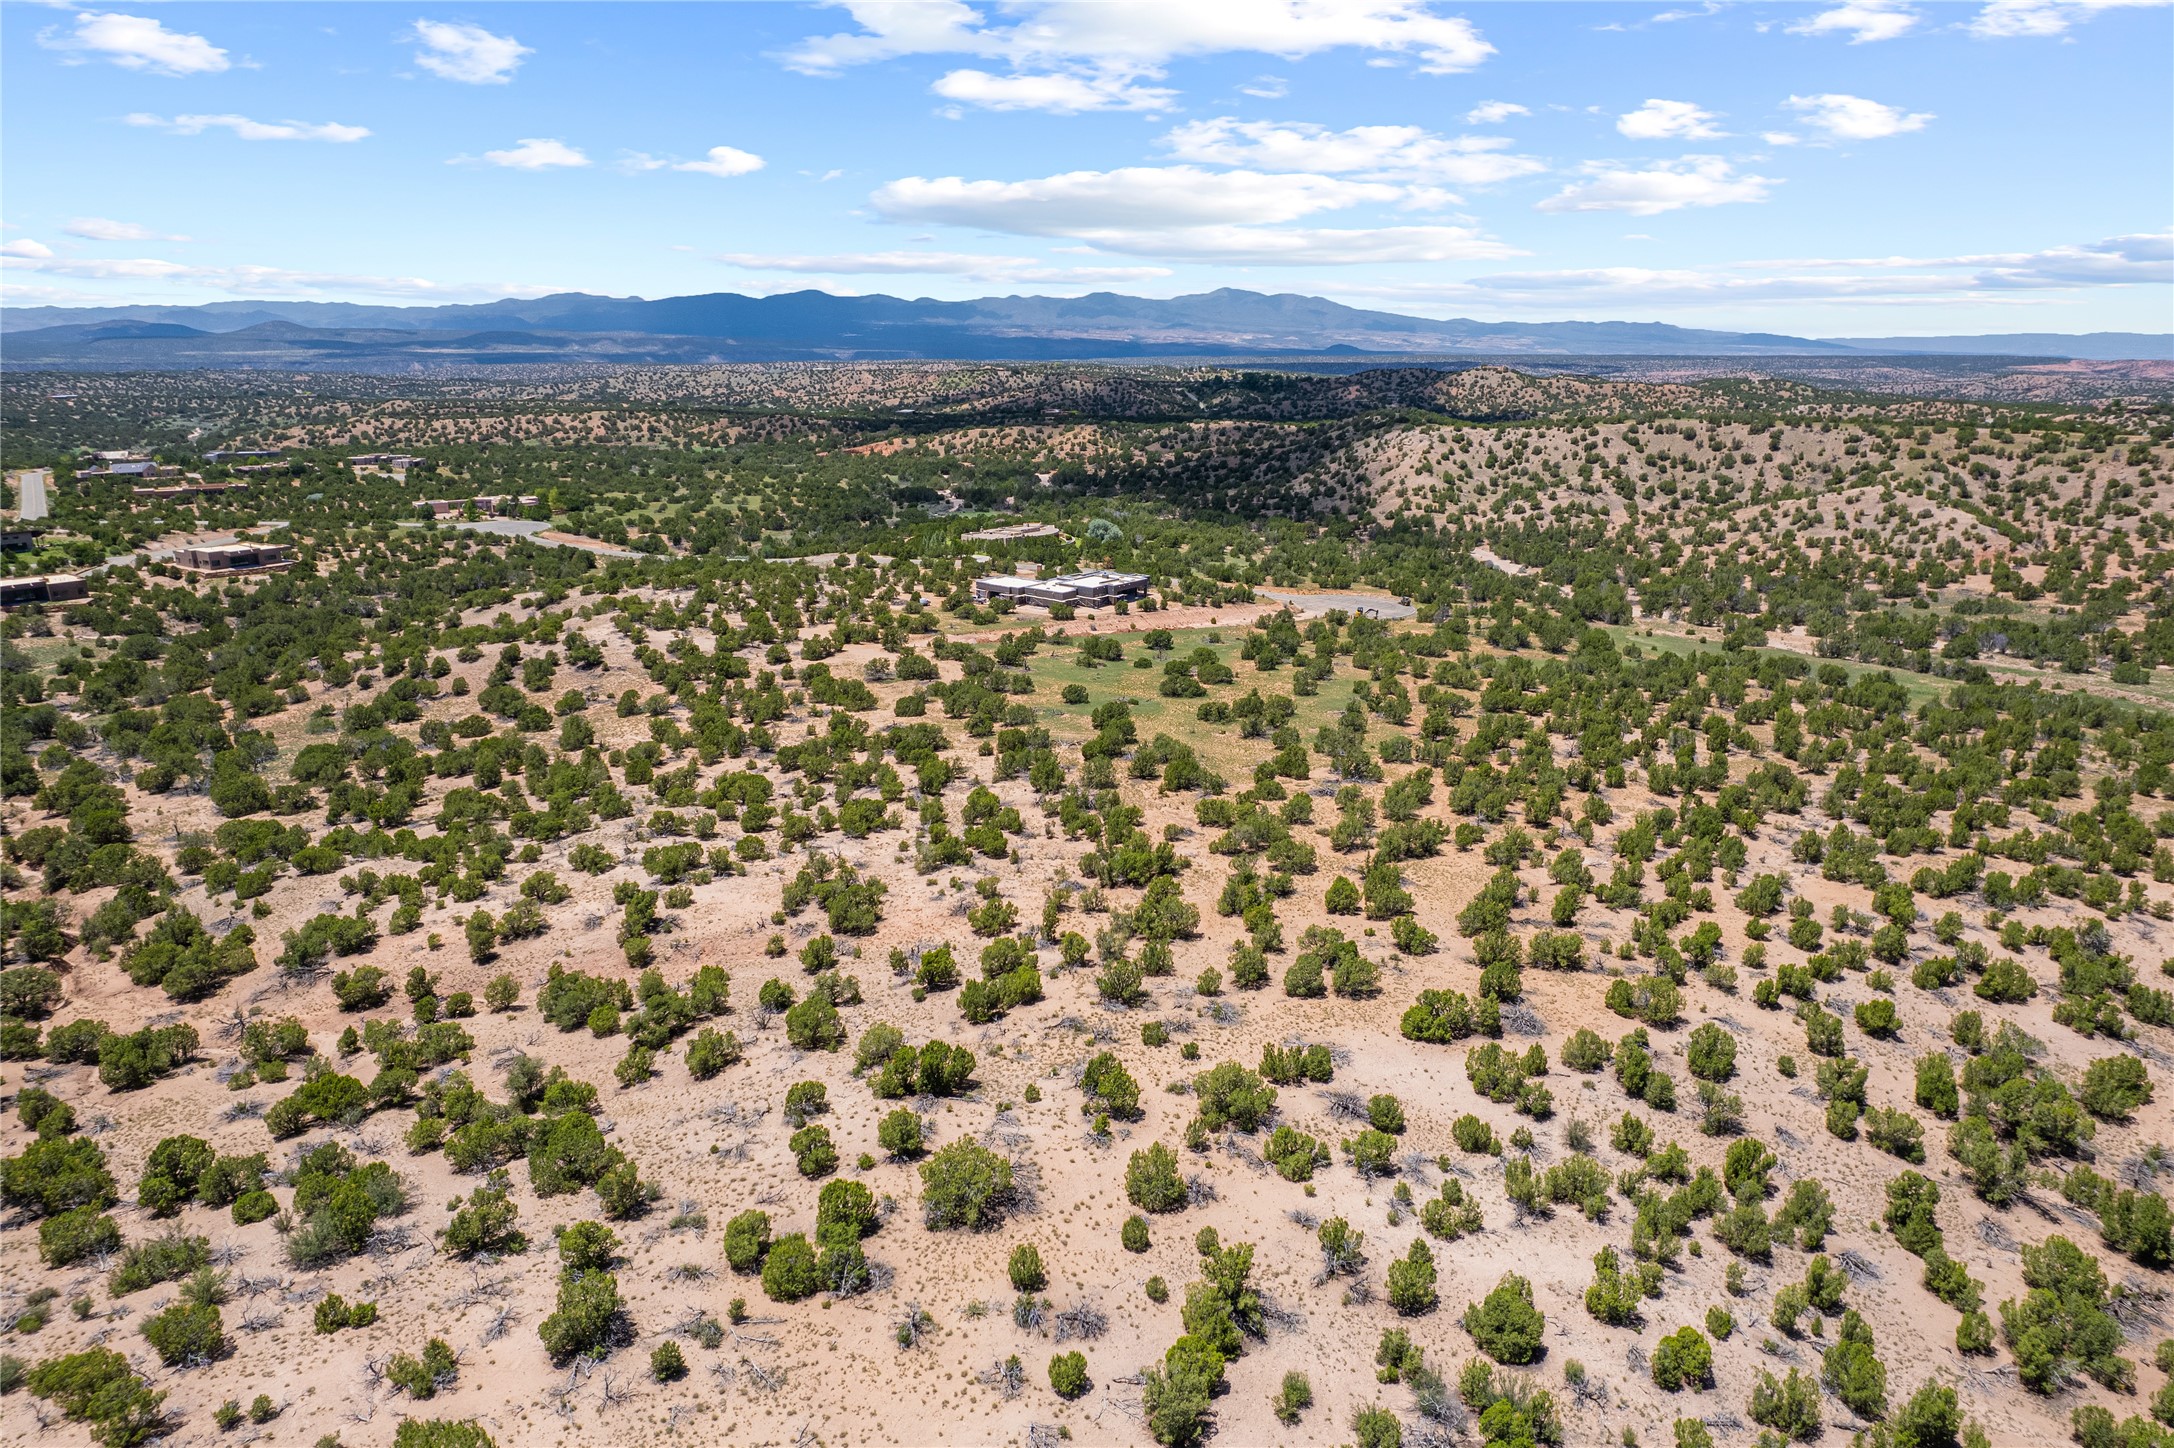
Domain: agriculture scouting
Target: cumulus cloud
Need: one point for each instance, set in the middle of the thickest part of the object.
(1659, 120)
(979, 267)
(535, 153)
(1069, 56)
(136, 42)
(725, 161)
(1863, 21)
(2007, 19)
(1080, 203)
(467, 53)
(1137, 34)
(1057, 93)
(1665, 186)
(24, 247)
(1853, 118)
(99, 228)
(246, 129)
(1494, 113)
(1382, 153)
(1186, 212)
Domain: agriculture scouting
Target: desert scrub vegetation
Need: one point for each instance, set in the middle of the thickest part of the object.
(1728, 839)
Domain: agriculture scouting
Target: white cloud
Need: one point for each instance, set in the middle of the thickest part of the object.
(2006, 19)
(1136, 35)
(25, 247)
(1379, 153)
(467, 53)
(1493, 113)
(135, 42)
(262, 281)
(2144, 258)
(1651, 190)
(1864, 21)
(99, 228)
(1186, 212)
(1659, 120)
(1853, 118)
(1058, 93)
(248, 130)
(1078, 203)
(1267, 88)
(723, 161)
(534, 153)
(940, 263)
(1308, 246)
(2122, 261)
(1069, 56)
(1781, 138)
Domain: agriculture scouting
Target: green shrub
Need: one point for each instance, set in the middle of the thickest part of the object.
(1506, 1325)
(747, 1240)
(1411, 1281)
(1292, 1398)
(441, 1433)
(1683, 1359)
(789, 1271)
(421, 1377)
(187, 1334)
(965, 1185)
(1377, 1428)
(585, 1319)
(1790, 1406)
(334, 1312)
(899, 1133)
(1711, 1053)
(162, 1259)
(1152, 1182)
(57, 1175)
(1068, 1375)
(77, 1234)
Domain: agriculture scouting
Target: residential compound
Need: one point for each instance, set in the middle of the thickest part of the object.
(488, 505)
(45, 588)
(233, 557)
(387, 462)
(1011, 532)
(196, 487)
(1096, 588)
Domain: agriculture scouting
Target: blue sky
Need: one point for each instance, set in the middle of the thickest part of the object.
(1856, 167)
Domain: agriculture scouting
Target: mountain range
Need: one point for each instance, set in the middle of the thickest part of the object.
(819, 326)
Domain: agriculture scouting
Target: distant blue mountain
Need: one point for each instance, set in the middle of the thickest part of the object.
(725, 326)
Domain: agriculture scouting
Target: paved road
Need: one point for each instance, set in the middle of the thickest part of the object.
(533, 531)
(31, 501)
(1374, 605)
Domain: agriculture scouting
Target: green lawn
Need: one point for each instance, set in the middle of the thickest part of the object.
(1219, 745)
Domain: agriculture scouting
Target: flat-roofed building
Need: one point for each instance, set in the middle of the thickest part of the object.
(197, 489)
(232, 557)
(229, 454)
(389, 462)
(45, 588)
(490, 505)
(1096, 588)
